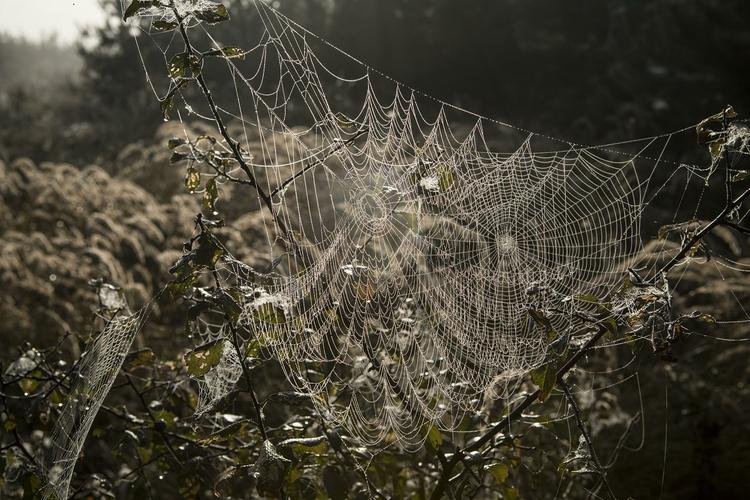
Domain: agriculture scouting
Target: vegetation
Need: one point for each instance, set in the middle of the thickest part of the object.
(77, 245)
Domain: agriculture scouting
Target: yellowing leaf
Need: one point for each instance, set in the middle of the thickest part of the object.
(202, 359)
(445, 177)
(434, 437)
(192, 179)
(499, 472)
(270, 313)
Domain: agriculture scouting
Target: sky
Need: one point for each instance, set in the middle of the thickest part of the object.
(37, 19)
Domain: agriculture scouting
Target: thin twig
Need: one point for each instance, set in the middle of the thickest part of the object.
(586, 436)
(249, 381)
(314, 164)
(157, 427)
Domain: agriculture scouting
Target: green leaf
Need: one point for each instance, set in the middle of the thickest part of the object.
(589, 297)
(210, 195)
(29, 383)
(202, 359)
(542, 320)
(445, 177)
(227, 432)
(314, 445)
(162, 26)
(510, 493)
(269, 313)
(138, 358)
(192, 179)
(498, 471)
(228, 52)
(271, 469)
(185, 65)
(208, 252)
(229, 305)
(31, 485)
(434, 437)
(214, 15)
(545, 378)
(137, 6)
(716, 147)
(165, 418)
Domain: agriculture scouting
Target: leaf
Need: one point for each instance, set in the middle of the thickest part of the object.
(271, 470)
(716, 147)
(252, 349)
(336, 485)
(229, 304)
(227, 432)
(166, 106)
(498, 471)
(192, 179)
(202, 359)
(137, 6)
(740, 176)
(589, 297)
(175, 142)
(270, 313)
(29, 383)
(228, 52)
(545, 378)
(210, 195)
(164, 419)
(706, 318)
(542, 320)
(213, 15)
(510, 493)
(314, 445)
(344, 121)
(162, 26)
(208, 252)
(434, 437)
(445, 177)
(184, 65)
(31, 485)
(138, 358)
(290, 398)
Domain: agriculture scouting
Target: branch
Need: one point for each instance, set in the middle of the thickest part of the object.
(515, 414)
(720, 219)
(249, 380)
(586, 436)
(314, 164)
(233, 144)
(158, 428)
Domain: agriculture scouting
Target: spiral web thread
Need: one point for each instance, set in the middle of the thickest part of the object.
(414, 249)
(422, 249)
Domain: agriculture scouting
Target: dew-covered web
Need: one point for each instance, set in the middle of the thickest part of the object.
(410, 239)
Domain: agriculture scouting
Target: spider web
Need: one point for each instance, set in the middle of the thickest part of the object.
(407, 248)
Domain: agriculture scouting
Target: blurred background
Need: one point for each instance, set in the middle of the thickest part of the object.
(84, 167)
(588, 71)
